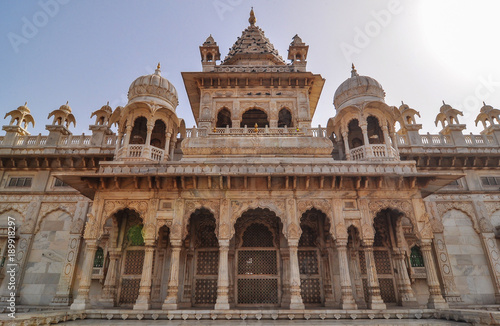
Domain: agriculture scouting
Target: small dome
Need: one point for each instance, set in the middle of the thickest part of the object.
(106, 108)
(357, 87)
(153, 87)
(24, 108)
(65, 108)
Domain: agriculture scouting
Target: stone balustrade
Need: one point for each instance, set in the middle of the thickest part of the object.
(374, 152)
(140, 152)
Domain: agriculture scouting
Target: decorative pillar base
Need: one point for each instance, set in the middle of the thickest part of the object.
(377, 305)
(142, 306)
(222, 306)
(437, 303)
(349, 306)
(410, 304)
(107, 303)
(80, 304)
(297, 305)
(169, 306)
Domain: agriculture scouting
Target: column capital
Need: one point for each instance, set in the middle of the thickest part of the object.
(341, 242)
(224, 243)
(176, 243)
(293, 243)
(367, 243)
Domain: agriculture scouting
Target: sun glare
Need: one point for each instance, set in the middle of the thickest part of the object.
(461, 34)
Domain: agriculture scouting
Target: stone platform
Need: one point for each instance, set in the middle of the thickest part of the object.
(396, 316)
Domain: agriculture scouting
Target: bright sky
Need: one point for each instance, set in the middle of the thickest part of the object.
(88, 52)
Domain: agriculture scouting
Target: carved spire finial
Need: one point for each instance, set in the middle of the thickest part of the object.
(252, 18)
(354, 72)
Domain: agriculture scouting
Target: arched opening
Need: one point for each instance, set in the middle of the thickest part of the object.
(202, 260)
(355, 135)
(209, 57)
(224, 119)
(139, 131)
(315, 275)
(284, 118)
(375, 134)
(254, 116)
(393, 233)
(357, 267)
(258, 266)
(158, 134)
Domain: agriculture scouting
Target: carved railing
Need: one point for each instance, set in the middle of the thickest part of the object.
(138, 152)
(230, 68)
(266, 131)
(373, 152)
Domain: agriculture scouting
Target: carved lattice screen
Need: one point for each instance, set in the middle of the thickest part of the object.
(257, 267)
(131, 278)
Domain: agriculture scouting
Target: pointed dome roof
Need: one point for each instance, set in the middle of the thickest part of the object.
(151, 87)
(253, 45)
(357, 87)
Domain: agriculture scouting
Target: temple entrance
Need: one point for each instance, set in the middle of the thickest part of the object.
(257, 256)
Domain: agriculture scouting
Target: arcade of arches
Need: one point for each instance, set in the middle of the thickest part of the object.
(263, 264)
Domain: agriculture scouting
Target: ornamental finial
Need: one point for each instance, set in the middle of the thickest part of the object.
(252, 18)
(354, 72)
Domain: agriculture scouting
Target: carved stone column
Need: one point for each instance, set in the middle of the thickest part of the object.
(327, 276)
(394, 138)
(223, 280)
(150, 127)
(173, 282)
(404, 284)
(143, 301)
(366, 140)
(345, 279)
(356, 278)
(285, 258)
(82, 300)
(127, 133)
(167, 146)
(108, 298)
(345, 138)
(188, 279)
(375, 300)
(436, 300)
(295, 297)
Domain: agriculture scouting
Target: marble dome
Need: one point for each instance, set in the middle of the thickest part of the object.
(356, 89)
(154, 88)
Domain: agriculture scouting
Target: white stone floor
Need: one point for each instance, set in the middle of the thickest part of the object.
(411, 322)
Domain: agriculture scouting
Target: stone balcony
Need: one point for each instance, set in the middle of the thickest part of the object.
(138, 152)
(375, 152)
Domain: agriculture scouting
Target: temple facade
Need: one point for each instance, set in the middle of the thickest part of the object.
(253, 208)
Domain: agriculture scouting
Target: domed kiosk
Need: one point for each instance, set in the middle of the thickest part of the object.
(364, 123)
(148, 125)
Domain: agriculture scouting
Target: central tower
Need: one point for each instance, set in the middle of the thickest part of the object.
(253, 102)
